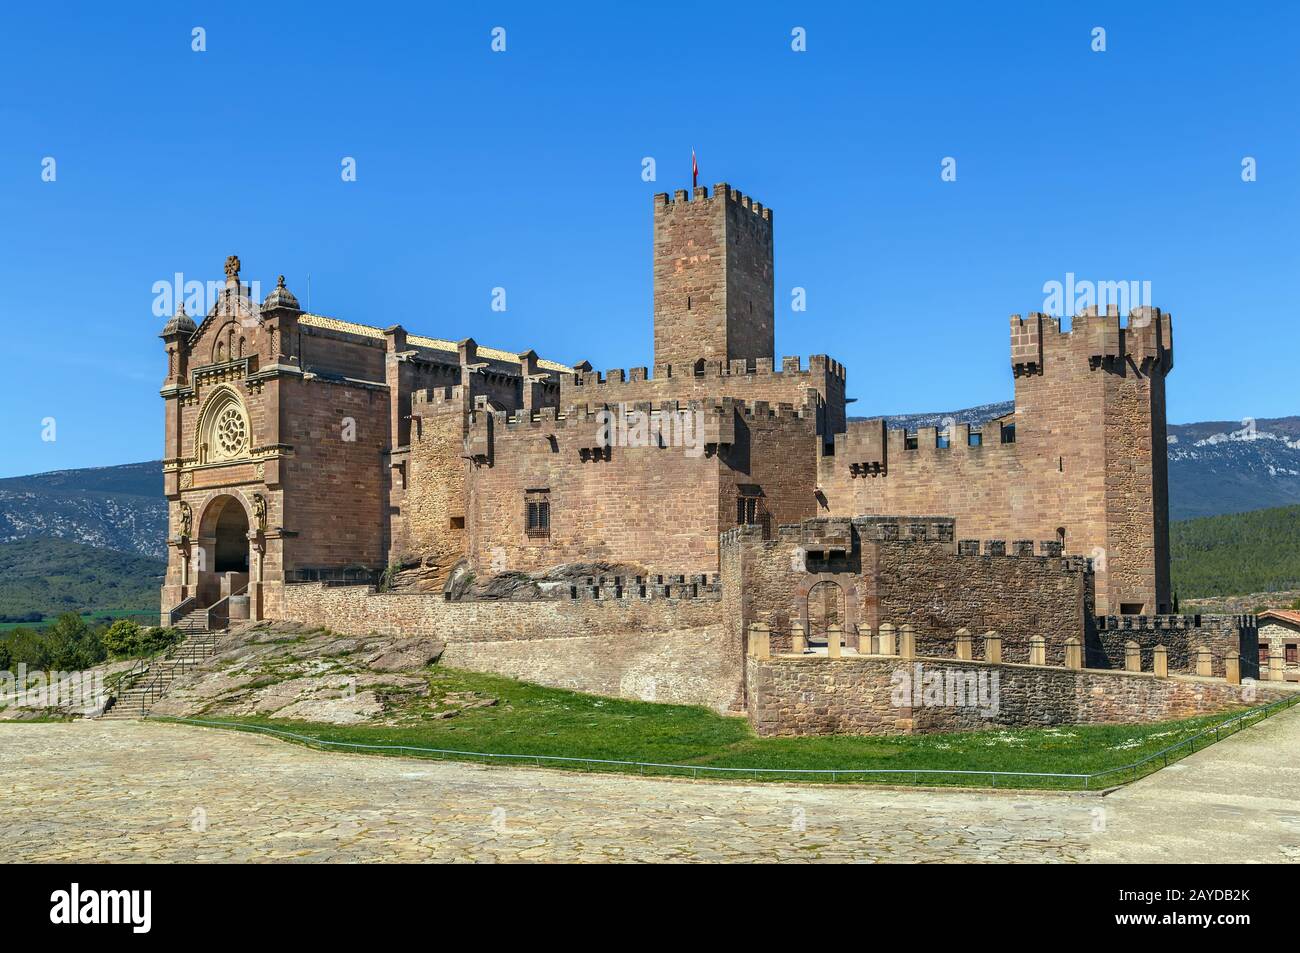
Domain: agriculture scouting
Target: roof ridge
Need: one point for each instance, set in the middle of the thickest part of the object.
(312, 319)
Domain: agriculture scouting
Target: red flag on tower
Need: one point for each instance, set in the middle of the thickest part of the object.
(695, 171)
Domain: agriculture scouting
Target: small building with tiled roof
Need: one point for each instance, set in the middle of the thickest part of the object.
(1279, 631)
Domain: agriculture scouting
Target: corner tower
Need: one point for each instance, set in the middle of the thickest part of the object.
(712, 278)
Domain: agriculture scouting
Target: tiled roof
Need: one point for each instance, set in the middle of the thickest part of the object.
(1282, 615)
(434, 344)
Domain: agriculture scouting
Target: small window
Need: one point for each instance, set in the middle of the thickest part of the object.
(538, 516)
(975, 439)
(909, 441)
(941, 439)
(458, 522)
(1008, 433)
(1131, 608)
(1291, 654)
(750, 509)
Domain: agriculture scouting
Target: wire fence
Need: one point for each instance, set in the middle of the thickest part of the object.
(956, 776)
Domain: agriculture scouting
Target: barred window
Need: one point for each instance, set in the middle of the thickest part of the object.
(537, 521)
(750, 509)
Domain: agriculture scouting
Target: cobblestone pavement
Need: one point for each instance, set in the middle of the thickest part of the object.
(128, 791)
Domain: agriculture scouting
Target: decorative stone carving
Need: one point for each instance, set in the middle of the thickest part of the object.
(232, 268)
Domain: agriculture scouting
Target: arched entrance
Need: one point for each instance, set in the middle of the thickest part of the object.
(223, 549)
(825, 608)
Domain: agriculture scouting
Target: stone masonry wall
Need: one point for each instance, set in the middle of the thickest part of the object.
(1089, 425)
(855, 695)
(668, 650)
(1180, 635)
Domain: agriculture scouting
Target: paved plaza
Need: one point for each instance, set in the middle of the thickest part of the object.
(131, 791)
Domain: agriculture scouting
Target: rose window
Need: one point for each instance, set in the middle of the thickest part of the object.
(230, 431)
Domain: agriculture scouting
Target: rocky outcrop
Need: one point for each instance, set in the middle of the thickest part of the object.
(290, 671)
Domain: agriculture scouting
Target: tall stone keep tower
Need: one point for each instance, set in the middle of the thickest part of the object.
(1090, 422)
(712, 279)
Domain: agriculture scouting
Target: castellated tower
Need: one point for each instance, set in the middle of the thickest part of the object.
(1090, 417)
(1080, 464)
(712, 278)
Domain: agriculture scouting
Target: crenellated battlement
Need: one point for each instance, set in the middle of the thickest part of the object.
(1146, 339)
(819, 367)
(645, 587)
(721, 192)
(596, 414)
(866, 446)
(1146, 623)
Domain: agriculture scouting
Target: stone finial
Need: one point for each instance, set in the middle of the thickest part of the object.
(1074, 653)
(1037, 650)
(798, 641)
(834, 639)
(885, 644)
(907, 641)
(1160, 662)
(992, 647)
(760, 640)
(232, 268)
(1276, 664)
(1204, 662)
(281, 297)
(963, 646)
(1132, 657)
(1232, 668)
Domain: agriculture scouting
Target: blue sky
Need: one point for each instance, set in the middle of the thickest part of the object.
(522, 170)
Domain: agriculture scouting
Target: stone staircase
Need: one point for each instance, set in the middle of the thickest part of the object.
(149, 685)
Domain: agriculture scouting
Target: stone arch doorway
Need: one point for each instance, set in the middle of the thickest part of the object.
(223, 549)
(825, 608)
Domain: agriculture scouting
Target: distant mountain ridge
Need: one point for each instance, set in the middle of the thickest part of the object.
(120, 508)
(1215, 467)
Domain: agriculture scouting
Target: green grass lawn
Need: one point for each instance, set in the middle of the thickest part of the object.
(534, 720)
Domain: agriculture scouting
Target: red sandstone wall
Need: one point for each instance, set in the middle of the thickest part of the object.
(1088, 404)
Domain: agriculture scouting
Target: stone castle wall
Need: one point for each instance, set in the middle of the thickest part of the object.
(658, 649)
(1181, 636)
(1087, 465)
(856, 695)
(910, 570)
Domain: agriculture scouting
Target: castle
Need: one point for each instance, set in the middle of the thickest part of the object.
(715, 490)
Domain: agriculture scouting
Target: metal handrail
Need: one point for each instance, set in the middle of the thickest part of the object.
(175, 614)
(695, 770)
(155, 689)
(1236, 722)
(226, 599)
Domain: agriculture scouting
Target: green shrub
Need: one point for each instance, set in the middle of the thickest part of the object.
(158, 639)
(127, 639)
(122, 639)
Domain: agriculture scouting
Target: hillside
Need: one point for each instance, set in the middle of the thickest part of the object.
(50, 576)
(1253, 552)
(119, 508)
